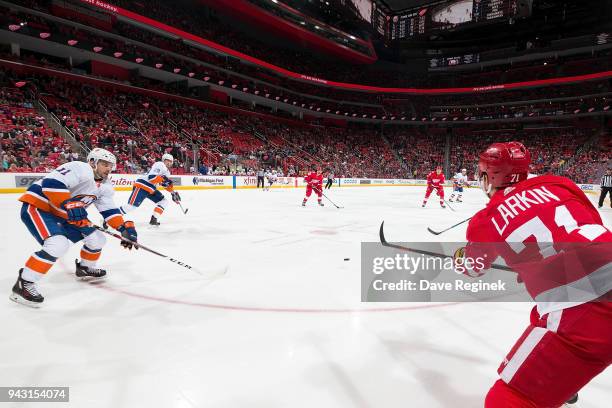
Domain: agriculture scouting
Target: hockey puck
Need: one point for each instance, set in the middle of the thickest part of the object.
(347, 259)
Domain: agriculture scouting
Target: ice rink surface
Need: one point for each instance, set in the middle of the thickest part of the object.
(284, 328)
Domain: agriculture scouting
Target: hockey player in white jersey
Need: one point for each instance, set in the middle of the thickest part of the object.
(271, 177)
(459, 181)
(54, 210)
(146, 187)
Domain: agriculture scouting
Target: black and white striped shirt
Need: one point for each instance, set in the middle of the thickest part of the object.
(606, 180)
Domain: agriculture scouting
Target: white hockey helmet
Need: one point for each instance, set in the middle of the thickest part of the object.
(463, 171)
(168, 156)
(102, 154)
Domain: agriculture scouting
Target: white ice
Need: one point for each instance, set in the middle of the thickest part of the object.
(284, 328)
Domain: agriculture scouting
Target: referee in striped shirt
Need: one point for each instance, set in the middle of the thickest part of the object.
(606, 187)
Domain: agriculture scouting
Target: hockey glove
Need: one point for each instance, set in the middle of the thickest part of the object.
(176, 197)
(167, 183)
(76, 212)
(128, 231)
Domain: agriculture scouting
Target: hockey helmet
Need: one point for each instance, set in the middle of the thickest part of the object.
(504, 164)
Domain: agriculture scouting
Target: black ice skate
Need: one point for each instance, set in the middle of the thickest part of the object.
(26, 293)
(572, 400)
(87, 273)
(321, 204)
(303, 203)
(154, 221)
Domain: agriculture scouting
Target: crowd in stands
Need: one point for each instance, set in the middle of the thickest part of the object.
(139, 128)
(26, 142)
(553, 149)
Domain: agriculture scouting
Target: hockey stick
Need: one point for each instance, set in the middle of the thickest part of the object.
(330, 200)
(451, 227)
(449, 206)
(384, 242)
(175, 261)
(182, 209)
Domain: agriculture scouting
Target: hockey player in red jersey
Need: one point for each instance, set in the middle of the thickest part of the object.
(551, 235)
(436, 180)
(314, 181)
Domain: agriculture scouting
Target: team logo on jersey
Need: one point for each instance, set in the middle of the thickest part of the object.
(86, 199)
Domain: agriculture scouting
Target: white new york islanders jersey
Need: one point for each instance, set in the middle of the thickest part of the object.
(71, 180)
(460, 179)
(158, 173)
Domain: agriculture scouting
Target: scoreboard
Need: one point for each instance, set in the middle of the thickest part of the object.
(407, 25)
(427, 20)
(485, 10)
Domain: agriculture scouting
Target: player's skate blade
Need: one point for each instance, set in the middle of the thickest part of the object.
(89, 274)
(26, 293)
(154, 222)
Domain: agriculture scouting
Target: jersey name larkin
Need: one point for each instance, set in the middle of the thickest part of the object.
(517, 203)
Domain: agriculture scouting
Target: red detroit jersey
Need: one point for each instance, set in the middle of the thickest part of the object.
(548, 231)
(314, 179)
(435, 179)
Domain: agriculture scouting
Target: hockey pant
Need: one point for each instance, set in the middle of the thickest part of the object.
(139, 193)
(318, 191)
(440, 192)
(555, 357)
(55, 235)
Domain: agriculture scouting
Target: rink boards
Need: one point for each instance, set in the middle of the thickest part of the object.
(19, 182)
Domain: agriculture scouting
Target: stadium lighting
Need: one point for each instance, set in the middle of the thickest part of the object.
(72, 42)
(44, 35)
(352, 37)
(158, 65)
(118, 54)
(97, 49)
(15, 27)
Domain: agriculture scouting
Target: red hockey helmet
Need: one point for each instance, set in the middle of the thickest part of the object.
(504, 164)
